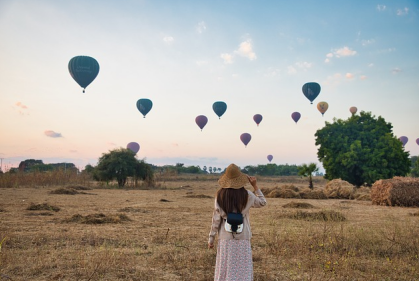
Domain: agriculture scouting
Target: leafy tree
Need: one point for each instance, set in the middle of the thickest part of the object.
(415, 169)
(307, 171)
(210, 169)
(89, 169)
(120, 164)
(361, 149)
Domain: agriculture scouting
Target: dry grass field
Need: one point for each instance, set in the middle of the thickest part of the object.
(105, 233)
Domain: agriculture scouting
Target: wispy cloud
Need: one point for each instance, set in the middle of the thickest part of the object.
(21, 105)
(292, 70)
(299, 66)
(201, 27)
(227, 58)
(349, 75)
(402, 12)
(363, 77)
(396, 70)
(338, 53)
(381, 8)
(168, 39)
(52, 134)
(367, 42)
(245, 50)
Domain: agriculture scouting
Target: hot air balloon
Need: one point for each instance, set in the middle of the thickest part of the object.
(417, 141)
(322, 107)
(219, 108)
(144, 106)
(201, 121)
(404, 140)
(84, 70)
(270, 157)
(134, 147)
(257, 118)
(296, 116)
(311, 90)
(245, 138)
(353, 110)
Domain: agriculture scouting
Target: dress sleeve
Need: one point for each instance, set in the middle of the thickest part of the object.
(260, 199)
(216, 222)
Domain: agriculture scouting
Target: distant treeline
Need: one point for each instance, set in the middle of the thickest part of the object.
(32, 165)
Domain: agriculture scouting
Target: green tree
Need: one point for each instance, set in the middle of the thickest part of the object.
(120, 164)
(307, 171)
(415, 168)
(361, 150)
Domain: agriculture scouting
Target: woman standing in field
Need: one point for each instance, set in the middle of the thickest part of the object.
(234, 252)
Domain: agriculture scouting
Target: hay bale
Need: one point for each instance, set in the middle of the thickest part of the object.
(307, 193)
(283, 193)
(43, 207)
(339, 189)
(398, 191)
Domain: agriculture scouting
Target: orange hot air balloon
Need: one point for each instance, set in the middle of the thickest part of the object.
(353, 110)
(322, 107)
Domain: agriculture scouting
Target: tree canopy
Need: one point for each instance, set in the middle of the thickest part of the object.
(120, 164)
(361, 150)
(307, 170)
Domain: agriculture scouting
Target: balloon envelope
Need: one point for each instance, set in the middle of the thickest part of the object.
(219, 108)
(404, 140)
(417, 141)
(296, 116)
(270, 157)
(83, 69)
(245, 138)
(144, 106)
(134, 147)
(322, 107)
(353, 110)
(257, 118)
(311, 90)
(201, 121)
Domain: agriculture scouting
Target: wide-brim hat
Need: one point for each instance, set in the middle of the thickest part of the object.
(233, 178)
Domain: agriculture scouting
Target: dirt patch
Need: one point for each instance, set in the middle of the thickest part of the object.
(298, 205)
(43, 206)
(99, 218)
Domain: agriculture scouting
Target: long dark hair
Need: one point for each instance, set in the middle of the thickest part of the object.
(231, 200)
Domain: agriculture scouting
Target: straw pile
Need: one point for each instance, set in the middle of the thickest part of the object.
(398, 191)
(285, 191)
(339, 189)
(307, 193)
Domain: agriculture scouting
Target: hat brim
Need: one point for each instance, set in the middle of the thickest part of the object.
(235, 183)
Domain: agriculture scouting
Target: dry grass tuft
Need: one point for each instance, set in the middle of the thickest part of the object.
(414, 214)
(324, 215)
(133, 210)
(198, 196)
(43, 206)
(339, 189)
(298, 205)
(98, 219)
(398, 191)
(65, 191)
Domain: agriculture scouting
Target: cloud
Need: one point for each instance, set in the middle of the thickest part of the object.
(201, 27)
(168, 39)
(349, 75)
(363, 77)
(228, 59)
(21, 105)
(246, 50)
(367, 42)
(304, 66)
(344, 52)
(396, 70)
(52, 134)
(402, 12)
(292, 70)
(381, 8)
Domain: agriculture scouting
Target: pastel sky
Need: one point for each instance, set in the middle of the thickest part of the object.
(184, 56)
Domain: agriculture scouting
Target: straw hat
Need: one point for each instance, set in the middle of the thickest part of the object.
(233, 178)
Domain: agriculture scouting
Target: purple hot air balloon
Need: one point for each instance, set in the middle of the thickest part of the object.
(404, 140)
(296, 116)
(257, 118)
(245, 138)
(201, 121)
(270, 157)
(134, 147)
(417, 141)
